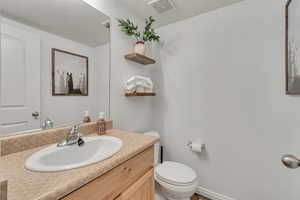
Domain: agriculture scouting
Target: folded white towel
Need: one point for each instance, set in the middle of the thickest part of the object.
(135, 82)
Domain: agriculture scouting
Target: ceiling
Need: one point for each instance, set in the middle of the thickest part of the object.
(71, 19)
(184, 9)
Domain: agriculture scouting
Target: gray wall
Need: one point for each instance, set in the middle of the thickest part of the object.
(134, 113)
(221, 79)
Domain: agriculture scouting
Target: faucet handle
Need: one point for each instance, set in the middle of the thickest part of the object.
(75, 130)
(76, 127)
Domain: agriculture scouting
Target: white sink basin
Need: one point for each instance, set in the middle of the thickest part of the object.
(53, 158)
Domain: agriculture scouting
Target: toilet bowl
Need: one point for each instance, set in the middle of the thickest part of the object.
(174, 181)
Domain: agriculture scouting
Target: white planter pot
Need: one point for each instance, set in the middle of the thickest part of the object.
(139, 48)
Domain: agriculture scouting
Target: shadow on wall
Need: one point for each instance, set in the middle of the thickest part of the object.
(167, 48)
(164, 50)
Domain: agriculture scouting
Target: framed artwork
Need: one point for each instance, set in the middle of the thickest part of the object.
(292, 47)
(69, 74)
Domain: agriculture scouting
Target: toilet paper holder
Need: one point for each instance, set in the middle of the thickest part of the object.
(189, 144)
(197, 142)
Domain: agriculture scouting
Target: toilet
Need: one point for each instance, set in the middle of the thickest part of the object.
(174, 181)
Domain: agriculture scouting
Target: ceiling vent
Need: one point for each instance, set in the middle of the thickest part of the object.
(162, 6)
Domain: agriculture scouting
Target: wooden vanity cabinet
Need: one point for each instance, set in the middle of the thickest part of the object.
(132, 180)
(143, 189)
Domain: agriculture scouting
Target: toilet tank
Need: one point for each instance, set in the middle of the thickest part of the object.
(156, 147)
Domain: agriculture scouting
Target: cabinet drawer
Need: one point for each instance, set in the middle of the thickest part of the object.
(113, 183)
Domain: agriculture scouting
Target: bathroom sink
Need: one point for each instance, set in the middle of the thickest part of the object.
(53, 158)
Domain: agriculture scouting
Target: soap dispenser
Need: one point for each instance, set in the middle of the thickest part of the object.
(86, 118)
(100, 125)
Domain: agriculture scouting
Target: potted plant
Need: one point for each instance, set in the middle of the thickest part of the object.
(132, 30)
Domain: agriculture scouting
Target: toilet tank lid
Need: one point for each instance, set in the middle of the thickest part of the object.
(152, 133)
(175, 173)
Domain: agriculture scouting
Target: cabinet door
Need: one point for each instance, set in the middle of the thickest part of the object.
(143, 189)
(111, 184)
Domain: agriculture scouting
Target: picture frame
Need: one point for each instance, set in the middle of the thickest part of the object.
(292, 49)
(69, 73)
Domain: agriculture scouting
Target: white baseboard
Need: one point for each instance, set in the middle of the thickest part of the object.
(212, 195)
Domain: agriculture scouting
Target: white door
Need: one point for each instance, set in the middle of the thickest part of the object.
(19, 79)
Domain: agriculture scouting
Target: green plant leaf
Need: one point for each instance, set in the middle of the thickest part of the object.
(130, 29)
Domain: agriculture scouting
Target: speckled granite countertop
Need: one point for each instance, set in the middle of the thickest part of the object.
(27, 185)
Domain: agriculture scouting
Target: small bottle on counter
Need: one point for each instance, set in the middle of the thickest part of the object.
(86, 118)
(100, 125)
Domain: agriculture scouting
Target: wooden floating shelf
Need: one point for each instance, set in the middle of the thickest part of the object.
(141, 59)
(139, 94)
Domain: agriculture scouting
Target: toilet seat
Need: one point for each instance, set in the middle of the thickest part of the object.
(176, 174)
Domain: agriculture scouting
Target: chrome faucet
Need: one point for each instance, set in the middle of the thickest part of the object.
(73, 137)
(47, 124)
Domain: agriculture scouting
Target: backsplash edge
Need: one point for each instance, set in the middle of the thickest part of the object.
(18, 143)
